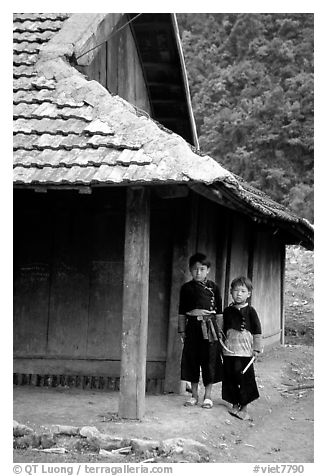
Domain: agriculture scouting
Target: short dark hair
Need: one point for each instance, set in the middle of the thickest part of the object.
(199, 258)
(242, 281)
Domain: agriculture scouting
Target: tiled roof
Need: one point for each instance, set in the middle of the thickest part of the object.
(70, 131)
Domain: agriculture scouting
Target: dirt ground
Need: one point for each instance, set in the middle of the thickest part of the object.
(282, 429)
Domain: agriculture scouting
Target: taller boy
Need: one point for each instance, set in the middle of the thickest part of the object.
(200, 302)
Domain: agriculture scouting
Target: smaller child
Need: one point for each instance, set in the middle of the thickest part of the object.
(242, 330)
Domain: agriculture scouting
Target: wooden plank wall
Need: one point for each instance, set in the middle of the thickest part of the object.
(32, 267)
(131, 84)
(117, 66)
(106, 282)
(207, 232)
(223, 247)
(267, 290)
(68, 275)
(69, 291)
(238, 251)
(159, 280)
(184, 217)
(68, 282)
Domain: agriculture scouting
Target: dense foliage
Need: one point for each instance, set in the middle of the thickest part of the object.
(251, 82)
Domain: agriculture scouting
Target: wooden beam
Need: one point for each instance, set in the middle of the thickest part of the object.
(171, 191)
(135, 304)
(86, 366)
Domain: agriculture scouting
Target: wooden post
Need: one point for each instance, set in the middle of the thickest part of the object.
(184, 245)
(135, 305)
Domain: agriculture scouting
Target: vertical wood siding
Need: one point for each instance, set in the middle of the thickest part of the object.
(207, 232)
(223, 218)
(106, 284)
(69, 290)
(68, 276)
(184, 218)
(266, 279)
(240, 245)
(117, 66)
(159, 282)
(68, 281)
(32, 268)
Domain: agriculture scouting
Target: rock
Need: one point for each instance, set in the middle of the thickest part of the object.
(21, 430)
(107, 442)
(142, 446)
(55, 450)
(84, 445)
(47, 441)
(89, 431)
(172, 445)
(190, 449)
(27, 441)
(68, 430)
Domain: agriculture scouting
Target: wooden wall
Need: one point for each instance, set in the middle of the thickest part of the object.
(207, 232)
(117, 66)
(69, 258)
(239, 247)
(68, 277)
(32, 257)
(267, 283)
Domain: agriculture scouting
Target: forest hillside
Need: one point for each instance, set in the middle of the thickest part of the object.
(299, 296)
(251, 83)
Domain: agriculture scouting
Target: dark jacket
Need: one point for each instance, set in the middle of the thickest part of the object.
(239, 319)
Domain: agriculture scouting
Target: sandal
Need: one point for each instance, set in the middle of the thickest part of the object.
(243, 415)
(191, 402)
(207, 403)
(234, 410)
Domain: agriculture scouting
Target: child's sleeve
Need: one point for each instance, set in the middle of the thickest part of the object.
(218, 300)
(182, 311)
(225, 321)
(181, 323)
(256, 331)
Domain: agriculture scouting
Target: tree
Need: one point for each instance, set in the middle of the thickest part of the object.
(251, 82)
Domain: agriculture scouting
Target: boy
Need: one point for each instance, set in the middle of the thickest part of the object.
(242, 329)
(200, 301)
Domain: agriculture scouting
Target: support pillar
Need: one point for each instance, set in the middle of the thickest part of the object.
(135, 304)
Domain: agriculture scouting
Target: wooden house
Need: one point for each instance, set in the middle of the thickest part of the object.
(112, 196)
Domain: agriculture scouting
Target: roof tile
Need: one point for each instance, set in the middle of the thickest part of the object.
(23, 58)
(26, 47)
(22, 17)
(37, 26)
(98, 127)
(22, 83)
(27, 36)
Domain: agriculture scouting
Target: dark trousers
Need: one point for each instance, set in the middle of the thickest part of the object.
(236, 387)
(199, 353)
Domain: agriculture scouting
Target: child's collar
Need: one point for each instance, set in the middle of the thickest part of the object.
(201, 282)
(240, 307)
